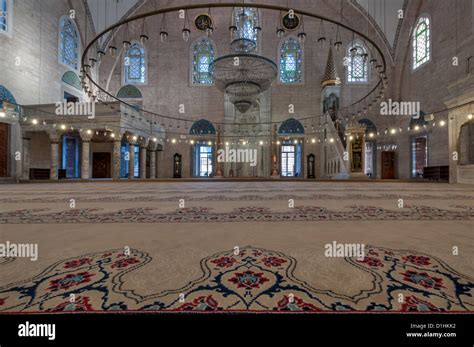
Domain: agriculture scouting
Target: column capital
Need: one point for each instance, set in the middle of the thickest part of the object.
(86, 135)
(54, 136)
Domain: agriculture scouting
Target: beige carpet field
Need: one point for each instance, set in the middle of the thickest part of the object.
(238, 246)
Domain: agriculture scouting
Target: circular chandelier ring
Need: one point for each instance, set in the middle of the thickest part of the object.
(95, 41)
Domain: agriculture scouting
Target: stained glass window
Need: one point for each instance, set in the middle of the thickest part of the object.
(69, 44)
(203, 56)
(134, 63)
(357, 67)
(421, 42)
(4, 15)
(291, 61)
(246, 19)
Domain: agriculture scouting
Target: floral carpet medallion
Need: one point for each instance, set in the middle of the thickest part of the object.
(249, 279)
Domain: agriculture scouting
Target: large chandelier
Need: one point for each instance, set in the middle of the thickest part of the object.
(243, 75)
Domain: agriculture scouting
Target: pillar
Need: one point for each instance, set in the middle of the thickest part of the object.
(26, 158)
(54, 160)
(117, 158)
(152, 164)
(85, 159)
(142, 162)
(131, 161)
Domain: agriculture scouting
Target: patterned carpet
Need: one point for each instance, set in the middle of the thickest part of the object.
(238, 246)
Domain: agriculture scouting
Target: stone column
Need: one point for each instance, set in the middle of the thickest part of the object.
(218, 144)
(131, 162)
(274, 152)
(152, 164)
(26, 158)
(117, 157)
(54, 138)
(85, 159)
(142, 162)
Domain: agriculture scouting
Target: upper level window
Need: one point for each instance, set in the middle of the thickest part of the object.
(134, 63)
(68, 43)
(246, 20)
(357, 64)
(4, 15)
(291, 61)
(421, 42)
(202, 57)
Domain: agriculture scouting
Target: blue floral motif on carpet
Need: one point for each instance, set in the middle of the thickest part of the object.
(250, 279)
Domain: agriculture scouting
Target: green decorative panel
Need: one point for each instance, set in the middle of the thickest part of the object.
(129, 92)
(72, 79)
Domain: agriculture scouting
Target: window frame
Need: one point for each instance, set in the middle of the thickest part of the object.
(429, 43)
(191, 61)
(9, 17)
(124, 72)
(302, 68)
(351, 59)
(79, 44)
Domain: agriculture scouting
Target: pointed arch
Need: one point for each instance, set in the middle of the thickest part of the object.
(135, 64)
(203, 52)
(129, 92)
(290, 61)
(69, 44)
(7, 96)
(369, 125)
(202, 127)
(291, 126)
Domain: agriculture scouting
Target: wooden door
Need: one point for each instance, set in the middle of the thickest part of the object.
(101, 165)
(388, 165)
(4, 136)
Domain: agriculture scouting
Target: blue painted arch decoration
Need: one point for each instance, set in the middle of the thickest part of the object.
(291, 126)
(129, 92)
(6, 95)
(202, 127)
(369, 125)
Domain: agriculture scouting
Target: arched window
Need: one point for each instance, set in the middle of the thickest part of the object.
(203, 53)
(246, 20)
(357, 67)
(421, 42)
(291, 61)
(5, 16)
(134, 64)
(68, 43)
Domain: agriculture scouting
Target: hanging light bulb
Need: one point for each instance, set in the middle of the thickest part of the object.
(112, 50)
(353, 50)
(186, 32)
(321, 35)
(302, 37)
(144, 35)
(209, 31)
(126, 40)
(338, 42)
(163, 32)
(257, 30)
(280, 32)
(143, 38)
(100, 54)
(163, 36)
(93, 61)
(373, 62)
